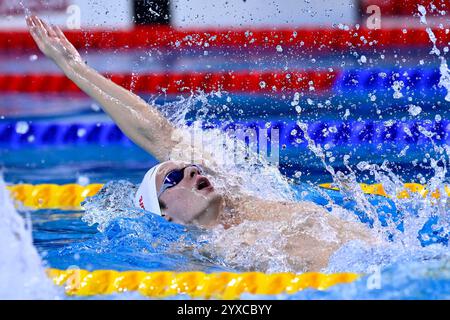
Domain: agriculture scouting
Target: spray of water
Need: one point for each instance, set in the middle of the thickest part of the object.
(415, 211)
(288, 242)
(264, 245)
(22, 274)
(444, 80)
(270, 245)
(237, 169)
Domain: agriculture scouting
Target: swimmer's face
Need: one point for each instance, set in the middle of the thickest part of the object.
(193, 200)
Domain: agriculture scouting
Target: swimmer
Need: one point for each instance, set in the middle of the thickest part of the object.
(180, 191)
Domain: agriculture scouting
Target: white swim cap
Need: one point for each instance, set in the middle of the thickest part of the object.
(147, 196)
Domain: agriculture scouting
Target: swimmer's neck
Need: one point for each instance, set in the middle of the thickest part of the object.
(237, 208)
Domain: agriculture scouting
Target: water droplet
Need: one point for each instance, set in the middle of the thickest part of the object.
(81, 132)
(22, 127)
(83, 180)
(414, 110)
(397, 86)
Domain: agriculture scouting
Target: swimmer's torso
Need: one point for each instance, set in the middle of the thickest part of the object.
(308, 233)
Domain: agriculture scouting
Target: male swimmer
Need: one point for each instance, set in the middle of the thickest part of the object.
(180, 191)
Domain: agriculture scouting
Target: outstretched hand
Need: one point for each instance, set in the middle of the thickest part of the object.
(52, 41)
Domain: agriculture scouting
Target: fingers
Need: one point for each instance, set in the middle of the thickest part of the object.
(59, 33)
(29, 21)
(43, 28)
(37, 31)
(40, 25)
(38, 28)
(38, 39)
(33, 29)
(49, 29)
(49, 38)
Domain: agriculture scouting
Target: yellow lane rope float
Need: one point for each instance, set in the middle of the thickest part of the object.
(53, 196)
(70, 196)
(408, 188)
(162, 284)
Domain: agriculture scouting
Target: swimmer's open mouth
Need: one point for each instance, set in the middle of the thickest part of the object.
(203, 183)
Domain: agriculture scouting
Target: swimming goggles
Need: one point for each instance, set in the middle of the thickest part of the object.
(175, 176)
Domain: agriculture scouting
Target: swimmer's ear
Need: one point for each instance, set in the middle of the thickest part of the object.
(163, 207)
(167, 217)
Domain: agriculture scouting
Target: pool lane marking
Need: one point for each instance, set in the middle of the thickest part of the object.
(196, 284)
(70, 196)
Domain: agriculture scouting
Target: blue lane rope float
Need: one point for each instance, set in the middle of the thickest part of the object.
(42, 134)
(373, 79)
(290, 134)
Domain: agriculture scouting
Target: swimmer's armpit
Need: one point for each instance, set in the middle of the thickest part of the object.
(141, 122)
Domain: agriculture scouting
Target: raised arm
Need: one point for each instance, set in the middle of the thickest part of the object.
(141, 122)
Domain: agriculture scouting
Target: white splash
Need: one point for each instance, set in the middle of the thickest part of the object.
(286, 241)
(114, 200)
(238, 170)
(397, 86)
(416, 211)
(414, 110)
(22, 275)
(444, 80)
(236, 165)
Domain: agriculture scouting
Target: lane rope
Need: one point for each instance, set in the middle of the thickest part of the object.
(290, 133)
(52, 196)
(175, 83)
(70, 196)
(405, 193)
(164, 37)
(162, 284)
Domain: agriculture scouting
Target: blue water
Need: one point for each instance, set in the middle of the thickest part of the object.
(128, 242)
(142, 241)
(138, 241)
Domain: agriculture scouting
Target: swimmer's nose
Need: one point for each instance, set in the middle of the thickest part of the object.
(192, 172)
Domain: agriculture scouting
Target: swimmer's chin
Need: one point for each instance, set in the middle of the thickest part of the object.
(209, 218)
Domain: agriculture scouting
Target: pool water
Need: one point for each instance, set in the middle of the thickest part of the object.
(130, 240)
(64, 240)
(359, 130)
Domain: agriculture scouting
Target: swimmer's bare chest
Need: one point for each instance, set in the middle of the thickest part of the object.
(307, 216)
(308, 233)
(255, 209)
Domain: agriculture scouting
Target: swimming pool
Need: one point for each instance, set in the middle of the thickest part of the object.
(369, 127)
